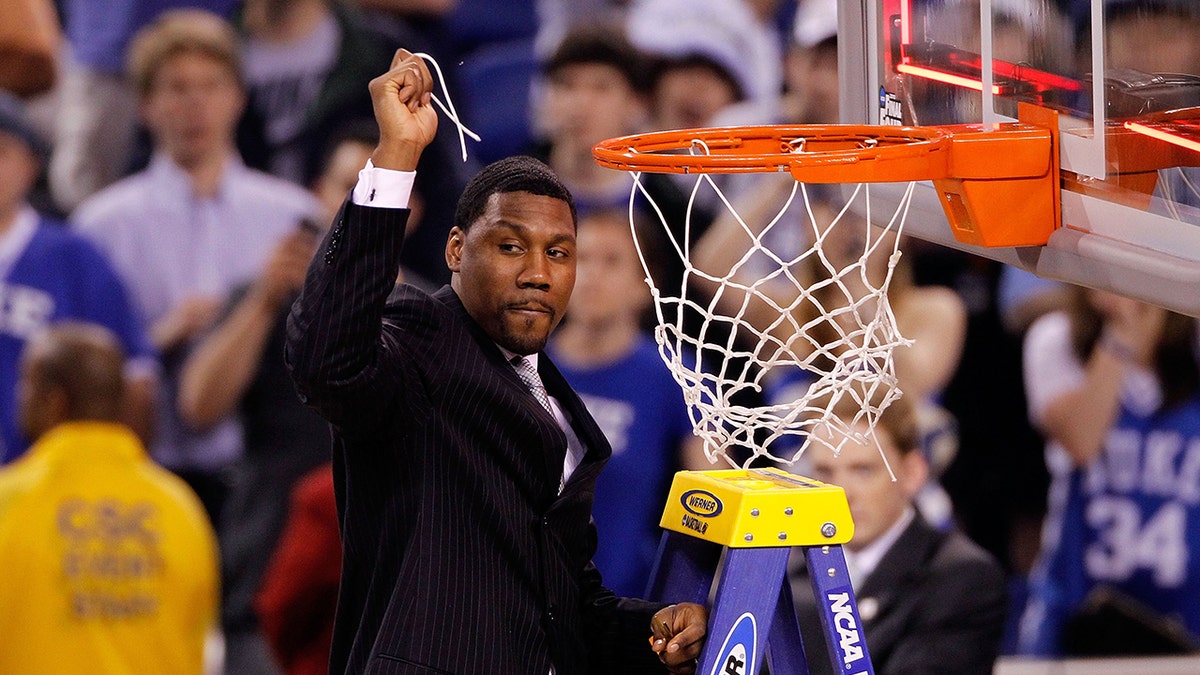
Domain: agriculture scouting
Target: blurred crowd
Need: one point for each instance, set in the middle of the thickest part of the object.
(168, 168)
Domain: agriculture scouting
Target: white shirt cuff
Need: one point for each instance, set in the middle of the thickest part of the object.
(383, 188)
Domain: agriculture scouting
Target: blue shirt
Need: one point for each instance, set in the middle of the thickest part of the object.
(50, 274)
(640, 408)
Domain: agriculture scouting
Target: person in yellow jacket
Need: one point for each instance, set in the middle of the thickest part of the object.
(109, 562)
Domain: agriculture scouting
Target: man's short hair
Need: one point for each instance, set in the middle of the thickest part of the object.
(899, 420)
(604, 45)
(85, 361)
(662, 65)
(181, 31)
(512, 174)
(362, 131)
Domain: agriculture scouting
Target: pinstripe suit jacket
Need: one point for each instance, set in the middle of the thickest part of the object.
(460, 556)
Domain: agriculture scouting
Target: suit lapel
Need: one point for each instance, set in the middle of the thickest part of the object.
(554, 440)
(906, 556)
(885, 588)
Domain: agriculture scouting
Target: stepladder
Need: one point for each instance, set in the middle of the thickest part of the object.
(728, 536)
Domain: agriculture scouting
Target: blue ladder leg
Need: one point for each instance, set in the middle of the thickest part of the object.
(743, 610)
(839, 610)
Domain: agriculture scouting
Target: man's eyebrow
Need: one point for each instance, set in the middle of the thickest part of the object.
(524, 230)
(508, 224)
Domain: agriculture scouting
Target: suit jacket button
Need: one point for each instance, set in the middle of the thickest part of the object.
(868, 608)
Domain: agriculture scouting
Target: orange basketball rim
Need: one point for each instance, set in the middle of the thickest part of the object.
(998, 186)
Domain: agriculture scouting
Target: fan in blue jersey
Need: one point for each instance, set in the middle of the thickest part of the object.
(48, 274)
(1114, 384)
(616, 369)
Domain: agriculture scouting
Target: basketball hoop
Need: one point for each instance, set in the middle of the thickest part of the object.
(812, 153)
(836, 331)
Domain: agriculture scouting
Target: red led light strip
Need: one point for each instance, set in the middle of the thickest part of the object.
(948, 78)
(1164, 135)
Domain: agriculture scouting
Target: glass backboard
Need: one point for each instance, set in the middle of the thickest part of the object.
(1128, 141)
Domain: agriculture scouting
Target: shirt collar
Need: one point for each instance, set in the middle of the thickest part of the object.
(165, 172)
(866, 559)
(87, 441)
(509, 356)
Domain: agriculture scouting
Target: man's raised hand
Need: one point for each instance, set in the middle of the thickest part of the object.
(402, 100)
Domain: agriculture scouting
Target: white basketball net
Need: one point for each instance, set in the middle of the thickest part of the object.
(840, 331)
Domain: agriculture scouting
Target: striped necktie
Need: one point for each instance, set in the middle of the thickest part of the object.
(530, 377)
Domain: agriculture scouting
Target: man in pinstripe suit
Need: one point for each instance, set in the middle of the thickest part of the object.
(464, 486)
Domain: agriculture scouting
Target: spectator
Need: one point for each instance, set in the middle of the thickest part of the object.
(1114, 385)
(97, 116)
(691, 92)
(349, 151)
(595, 90)
(617, 371)
(110, 564)
(195, 224)
(307, 65)
(346, 156)
(557, 17)
(714, 43)
(236, 372)
(811, 66)
(30, 41)
(1150, 35)
(48, 275)
(930, 600)
(717, 63)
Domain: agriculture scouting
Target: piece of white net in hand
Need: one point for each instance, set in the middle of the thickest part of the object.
(814, 325)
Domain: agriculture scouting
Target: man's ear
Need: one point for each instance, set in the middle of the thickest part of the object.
(916, 472)
(53, 409)
(454, 248)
